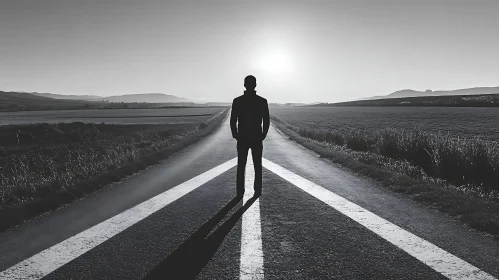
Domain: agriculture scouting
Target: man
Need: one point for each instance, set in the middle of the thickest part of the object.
(248, 113)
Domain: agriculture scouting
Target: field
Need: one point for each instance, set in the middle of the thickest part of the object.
(25, 102)
(455, 122)
(476, 100)
(456, 146)
(45, 165)
(60, 149)
(43, 158)
(19, 101)
(113, 116)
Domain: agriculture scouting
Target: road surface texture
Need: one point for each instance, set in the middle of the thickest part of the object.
(180, 219)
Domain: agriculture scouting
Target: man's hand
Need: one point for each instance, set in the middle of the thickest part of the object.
(233, 120)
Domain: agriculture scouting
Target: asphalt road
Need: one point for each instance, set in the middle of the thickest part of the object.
(180, 220)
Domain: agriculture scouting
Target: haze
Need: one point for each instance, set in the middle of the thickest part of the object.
(301, 51)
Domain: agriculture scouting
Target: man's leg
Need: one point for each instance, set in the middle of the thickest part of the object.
(256, 151)
(242, 158)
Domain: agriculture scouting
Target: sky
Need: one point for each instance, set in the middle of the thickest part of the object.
(299, 51)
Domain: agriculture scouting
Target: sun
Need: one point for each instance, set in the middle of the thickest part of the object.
(277, 63)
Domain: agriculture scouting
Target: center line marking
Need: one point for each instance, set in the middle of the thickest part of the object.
(251, 234)
(438, 259)
(60, 254)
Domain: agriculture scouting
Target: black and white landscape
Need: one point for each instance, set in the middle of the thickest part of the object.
(249, 140)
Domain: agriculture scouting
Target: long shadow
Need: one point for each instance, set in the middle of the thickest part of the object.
(187, 261)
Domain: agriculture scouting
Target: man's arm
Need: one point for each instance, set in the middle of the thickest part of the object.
(233, 120)
(266, 120)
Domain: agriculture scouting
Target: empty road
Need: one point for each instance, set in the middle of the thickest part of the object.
(180, 220)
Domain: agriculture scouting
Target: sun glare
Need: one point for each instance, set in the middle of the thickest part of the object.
(276, 63)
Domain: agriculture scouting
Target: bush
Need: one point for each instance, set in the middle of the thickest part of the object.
(43, 158)
(202, 125)
(468, 163)
(335, 138)
(359, 141)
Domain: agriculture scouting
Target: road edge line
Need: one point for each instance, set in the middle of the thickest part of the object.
(433, 256)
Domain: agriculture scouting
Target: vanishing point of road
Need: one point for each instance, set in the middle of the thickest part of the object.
(180, 219)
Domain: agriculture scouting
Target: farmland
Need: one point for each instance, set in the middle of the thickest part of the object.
(446, 158)
(58, 148)
(475, 100)
(456, 145)
(44, 165)
(456, 122)
(112, 116)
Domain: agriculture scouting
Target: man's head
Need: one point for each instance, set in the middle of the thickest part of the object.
(250, 82)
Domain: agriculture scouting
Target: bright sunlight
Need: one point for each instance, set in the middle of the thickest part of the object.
(276, 63)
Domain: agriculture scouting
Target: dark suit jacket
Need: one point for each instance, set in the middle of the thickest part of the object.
(248, 112)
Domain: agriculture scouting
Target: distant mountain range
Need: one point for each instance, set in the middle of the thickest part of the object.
(20, 101)
(28, 101)
(67, 97)
(128, 98)
(415, 93)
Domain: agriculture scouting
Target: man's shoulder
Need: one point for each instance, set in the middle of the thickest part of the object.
(242, 97)
(261, 99)
(238, 99)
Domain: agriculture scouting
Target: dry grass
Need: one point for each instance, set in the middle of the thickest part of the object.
(399, 161)
(471, 164)
(44, 166)
(43, 158)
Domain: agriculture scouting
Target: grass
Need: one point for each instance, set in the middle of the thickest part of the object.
(46, 165)
(43, 158)
(475, 100)
(458, 176)
(472, 164)
(457, 122)
(22, 101)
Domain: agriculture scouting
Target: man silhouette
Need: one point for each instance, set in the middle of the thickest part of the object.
(248, 113)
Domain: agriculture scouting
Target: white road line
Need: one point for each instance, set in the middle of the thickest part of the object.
(60, 254)
(443, 262)
(251, 235)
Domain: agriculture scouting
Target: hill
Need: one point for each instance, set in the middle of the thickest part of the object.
(20, 101)
(24, 101)
(482, 100)
(128, 98)
(415, 93)
(146, 97)
(68, 97)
